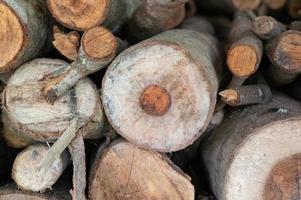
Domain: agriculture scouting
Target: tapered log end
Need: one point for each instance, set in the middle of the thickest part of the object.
(80, 14)
(246, 4)
(263, 26)
(26, 171)
(287, 51)
(99, 43)
(155, 100)
(284, 179)
(12, 36)
(229, 96)
(67, 44)
(242, 60)
(125, 171)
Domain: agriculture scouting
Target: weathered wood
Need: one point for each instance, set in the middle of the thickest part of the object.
(27, 174)
(125, 171)
(66, 43)
(242, 153)
(24, 32)
(161, 93)
(246, 94)
(267, 27)
(82, 15)
(155, 16)
(98, 48)
(229, 6)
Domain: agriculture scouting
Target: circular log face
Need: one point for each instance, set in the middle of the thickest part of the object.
(79, 14)
(267, 164)
(156, 96)
(288, 51)
(12, 36)
(284, 181)
(28, 110)
(125, 171)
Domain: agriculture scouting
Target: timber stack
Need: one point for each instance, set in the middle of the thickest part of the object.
(150, 99)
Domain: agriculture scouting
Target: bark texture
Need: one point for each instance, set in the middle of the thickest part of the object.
(242, 152)
(125, 171)
(267, 27)
(185, 89)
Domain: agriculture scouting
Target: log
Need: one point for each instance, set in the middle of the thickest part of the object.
(246, 95)
(294, 8)
(26, 172)
(118, 173)
(199, 24)
(85, 14)
(66, 43)
(10, 191)
(283, 52)
(267, 27)
(229, 6)
(295, 25)
(275, 4)
(98, 48)
(245, 48)
(191, 8)
(155, 16)
(241, 158)
(25, 31)
(163, 108)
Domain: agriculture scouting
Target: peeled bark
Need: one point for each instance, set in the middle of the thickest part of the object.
(82, 15)
(24, 32)
(161, 93)
(254, 153)
(125, 171)
(98, 48)
(155, 16)
(267, 27)
(27, 174)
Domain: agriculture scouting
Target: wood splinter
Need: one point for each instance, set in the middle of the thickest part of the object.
(246, 95)
(98, 48)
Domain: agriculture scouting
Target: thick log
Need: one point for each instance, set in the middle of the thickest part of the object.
(82, 15)
(244, 156)
(229, 6)
(246, 94)
(163, 108)
(27, 174)
(98, 48)
(155, 16)
(125, 171)
(24, 33)
(267, 27)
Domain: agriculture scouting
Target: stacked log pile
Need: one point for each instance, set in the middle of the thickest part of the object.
(150, 99)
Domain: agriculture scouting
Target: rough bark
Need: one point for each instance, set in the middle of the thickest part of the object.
(82, 15)
(246, 148)
(24, 32)
(98, 48)
(155, 16)
(246, 95)
(27, 174)
(163, 108)
(29, 114)
(125, 171)
(267, 27)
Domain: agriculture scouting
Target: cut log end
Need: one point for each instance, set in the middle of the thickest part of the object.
(284, 179)
(264, 26)
(79, 15)
(26, 171)
(242, 60)
(99, 43)
(229, 96)
(155, 100)
(12, 36)
(125, 171)
(288, 50)
(246, 4)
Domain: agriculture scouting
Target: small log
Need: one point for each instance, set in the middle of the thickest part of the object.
(26, 172)
(294, 8)
(98, 48)
(24, 33)
(10, 191)
(296, 25)
(240, 155)
(245, 48)
(125, 171)
(66, 43)
(163, 108)
(85, 14)
(246, 95)
(229, 6)
(267, 27)
(155, 16)
(275, 4)
(283, 51)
